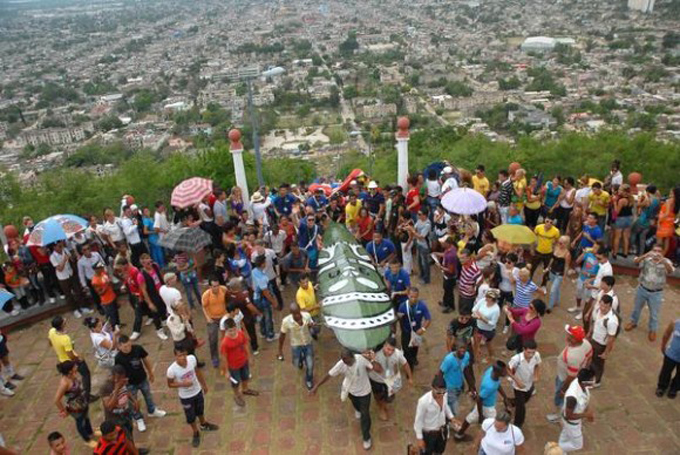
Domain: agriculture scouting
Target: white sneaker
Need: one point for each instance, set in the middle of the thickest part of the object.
(15, 312)
(161, 334)
(357, 415)
(158, 413)
(579, 316)
(553, 418)
(368, 444)
(5, 391)
(77, 314)
(62, 296)
(149, 321)
(134, 336)
(573, 309)
(505, 329)
(86, 310)
(256, 352)
(52, 300)
(141, 426)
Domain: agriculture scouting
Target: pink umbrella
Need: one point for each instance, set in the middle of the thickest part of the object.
(190, 192)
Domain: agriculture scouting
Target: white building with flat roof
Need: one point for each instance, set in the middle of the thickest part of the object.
(644, 6)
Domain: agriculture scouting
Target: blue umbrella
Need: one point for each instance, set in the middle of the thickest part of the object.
(56, 228)
(5, 296)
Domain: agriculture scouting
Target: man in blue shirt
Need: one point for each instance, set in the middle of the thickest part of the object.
(308, 233)
(590, 234)
(398, 283)
(382, 251)
(264, 299)
(589, 268)
(455, 366)
(415, 319)
(318, 202)
(283, 202)
(485, 400)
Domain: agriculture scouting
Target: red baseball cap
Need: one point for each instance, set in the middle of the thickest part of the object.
(576, 331)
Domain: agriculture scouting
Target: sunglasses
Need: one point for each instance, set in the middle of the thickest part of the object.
(439, 392)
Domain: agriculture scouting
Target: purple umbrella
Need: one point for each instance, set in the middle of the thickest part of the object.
(464, 201)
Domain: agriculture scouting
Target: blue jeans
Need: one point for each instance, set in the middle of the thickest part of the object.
(306, 354)
(83, 425)
(653, 300)
(452, 398)
(157, 254)
(145, 388)
(267, 320)
(555, 286)
(559, 399)
(190, 282)
(424, 262)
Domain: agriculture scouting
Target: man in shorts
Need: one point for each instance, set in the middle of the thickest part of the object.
(385, 384)
(235, 353)
(184, 376)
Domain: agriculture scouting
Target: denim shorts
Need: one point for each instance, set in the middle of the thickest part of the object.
(239, 375)
(487, 334)
(623, 222)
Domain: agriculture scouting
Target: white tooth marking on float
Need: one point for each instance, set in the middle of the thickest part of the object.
(376, 297)
(361, 323)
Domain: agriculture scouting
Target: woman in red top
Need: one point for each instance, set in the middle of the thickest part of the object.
(525, 322)
(413, 197)
(234, 351)
(364, 227)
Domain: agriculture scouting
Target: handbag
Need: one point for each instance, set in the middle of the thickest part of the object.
(416, 340)
(514, 342)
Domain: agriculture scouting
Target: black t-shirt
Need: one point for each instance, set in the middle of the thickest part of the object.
(132, 362)
(460, 330)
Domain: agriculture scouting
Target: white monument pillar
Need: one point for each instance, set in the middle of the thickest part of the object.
(402, 152)
(236, 149)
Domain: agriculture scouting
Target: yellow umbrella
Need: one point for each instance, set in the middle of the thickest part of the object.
(516, 234)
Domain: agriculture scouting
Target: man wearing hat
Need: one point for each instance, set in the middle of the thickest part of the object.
(575, 357)
(449, 178)
(101, 282)
(259, 205)
(375, 203)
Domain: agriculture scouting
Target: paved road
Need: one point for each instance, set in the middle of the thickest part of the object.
(286, 420)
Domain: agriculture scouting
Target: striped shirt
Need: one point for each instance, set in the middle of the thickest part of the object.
(469, 277)
(116, 447)
(505, 195)
(523, 293)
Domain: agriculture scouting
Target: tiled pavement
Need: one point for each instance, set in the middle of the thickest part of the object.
(630, 419)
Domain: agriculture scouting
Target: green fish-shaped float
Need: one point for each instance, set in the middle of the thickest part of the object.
(355, 303)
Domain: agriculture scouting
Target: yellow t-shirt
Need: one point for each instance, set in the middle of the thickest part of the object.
(520, 186)
(306, 298)
(352, 213)
(546, 239)
(480, 185)
(598, 203)
(61, 344)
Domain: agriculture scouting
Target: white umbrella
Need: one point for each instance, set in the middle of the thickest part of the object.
(464, 201)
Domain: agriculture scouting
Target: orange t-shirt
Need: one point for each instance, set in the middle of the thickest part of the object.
(103, 281)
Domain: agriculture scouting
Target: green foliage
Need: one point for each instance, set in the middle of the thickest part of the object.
(53, 94)
(96, 153)
(97, 86)
(249, 48)
(544, 80)
(574, 154)
(30, 152)
(348, 46)
(458, 88)
(109, 123)
(671, 39)
(511, 83)
(144, 176)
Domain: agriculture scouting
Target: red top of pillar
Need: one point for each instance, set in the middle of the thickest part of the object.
(235, 140)
(402, 124)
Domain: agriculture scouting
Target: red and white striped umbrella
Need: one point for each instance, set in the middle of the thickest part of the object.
(190, 192)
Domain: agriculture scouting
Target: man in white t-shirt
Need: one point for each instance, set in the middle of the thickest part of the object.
(61, 260)
(356, 386)
(603, 332)
(523, 371)
(499, 436)
(576, 408)
(184, 376)
(160, 220)
(386, 384)
(604, 270)
(171, 296)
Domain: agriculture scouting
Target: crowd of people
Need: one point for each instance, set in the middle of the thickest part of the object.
(261, 246)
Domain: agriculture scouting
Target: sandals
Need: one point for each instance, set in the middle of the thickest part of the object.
(253, 393)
